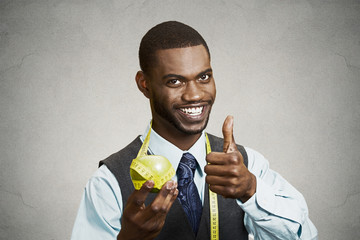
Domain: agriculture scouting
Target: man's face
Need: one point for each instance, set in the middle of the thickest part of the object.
(181, 90)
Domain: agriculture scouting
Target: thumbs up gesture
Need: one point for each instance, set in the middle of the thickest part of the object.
(227, 174)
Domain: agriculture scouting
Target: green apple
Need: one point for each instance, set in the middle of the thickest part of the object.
(151, 167)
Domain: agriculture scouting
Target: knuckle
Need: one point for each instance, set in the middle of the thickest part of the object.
(231, 191)
(233, 159)
(226, 131)
(234, 181)
(131, 219)
(163, 209)
(156, 226)
(175, 195)
(138, 202)
(234, 172)
(155, 208)
(151, 228)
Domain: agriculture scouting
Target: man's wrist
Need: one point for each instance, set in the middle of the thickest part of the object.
(251, 190)
(122, 236)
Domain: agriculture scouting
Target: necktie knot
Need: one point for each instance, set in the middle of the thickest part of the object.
(186, 169)
(189, 160)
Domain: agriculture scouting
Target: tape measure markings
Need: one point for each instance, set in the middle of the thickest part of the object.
(214, 210)
(147, 174)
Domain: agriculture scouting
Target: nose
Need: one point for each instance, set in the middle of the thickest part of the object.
(193, 92)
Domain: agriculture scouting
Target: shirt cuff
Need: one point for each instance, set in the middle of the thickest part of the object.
(261, 203)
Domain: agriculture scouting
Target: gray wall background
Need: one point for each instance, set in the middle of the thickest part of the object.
(289, 72)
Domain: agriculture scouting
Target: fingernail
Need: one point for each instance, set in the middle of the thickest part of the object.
(169, 185)
(149, 184)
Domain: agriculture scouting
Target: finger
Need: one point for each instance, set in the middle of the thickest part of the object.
(220, 170)
(173, 198)
(229, 142)
(137, 198)
(222, 190)
(169, 196)
(221, 180)
(158, 206)
(165, 191)
(217, 158)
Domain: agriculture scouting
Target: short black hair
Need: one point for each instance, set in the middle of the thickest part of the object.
(167, 35)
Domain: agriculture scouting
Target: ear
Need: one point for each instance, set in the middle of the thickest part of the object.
(142, 83)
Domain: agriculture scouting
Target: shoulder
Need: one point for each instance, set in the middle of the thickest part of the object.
(101, 182)
(102, 193)
(100, 208)
(119, 163)
(129, 151)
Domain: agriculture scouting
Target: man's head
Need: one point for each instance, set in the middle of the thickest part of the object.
(167, 35)
(177, 78)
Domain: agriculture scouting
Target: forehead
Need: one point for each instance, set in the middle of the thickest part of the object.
(187, 61)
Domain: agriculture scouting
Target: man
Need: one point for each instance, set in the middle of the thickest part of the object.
(176, 76)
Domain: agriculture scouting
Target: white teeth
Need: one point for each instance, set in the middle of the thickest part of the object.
(192, 111)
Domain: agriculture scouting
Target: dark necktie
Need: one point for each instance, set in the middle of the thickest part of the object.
(188, 193)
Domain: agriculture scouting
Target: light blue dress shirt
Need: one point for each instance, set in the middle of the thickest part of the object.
(276, 211)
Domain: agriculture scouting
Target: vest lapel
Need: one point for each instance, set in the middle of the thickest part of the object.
(204, 228)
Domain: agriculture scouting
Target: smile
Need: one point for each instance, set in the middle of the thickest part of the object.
(193, 111)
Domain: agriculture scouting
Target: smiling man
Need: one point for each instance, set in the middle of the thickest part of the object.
(246, 196)
(181, 91)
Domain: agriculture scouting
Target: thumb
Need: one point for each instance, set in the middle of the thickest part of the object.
(229, 142)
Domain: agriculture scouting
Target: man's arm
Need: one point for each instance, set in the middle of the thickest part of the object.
(273, 208)
(100, 209)
(102, 215)
(276, 208)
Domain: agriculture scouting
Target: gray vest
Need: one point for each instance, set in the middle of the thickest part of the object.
(231, 216)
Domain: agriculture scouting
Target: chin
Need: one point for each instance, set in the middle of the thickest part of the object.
(192, 130)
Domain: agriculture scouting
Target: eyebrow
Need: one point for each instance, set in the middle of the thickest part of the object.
(182, 77)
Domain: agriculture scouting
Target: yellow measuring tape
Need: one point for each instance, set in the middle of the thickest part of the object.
(150, 167)
(214, 211)
(146, 172)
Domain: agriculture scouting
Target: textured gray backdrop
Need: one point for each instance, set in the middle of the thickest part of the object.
(289, 72)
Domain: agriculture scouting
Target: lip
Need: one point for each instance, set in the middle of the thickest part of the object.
(193, 118)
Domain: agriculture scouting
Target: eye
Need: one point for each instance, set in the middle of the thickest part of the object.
(174, 82)
(204, 77)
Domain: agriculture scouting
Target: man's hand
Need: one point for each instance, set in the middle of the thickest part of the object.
(145, 222)
(226, 174)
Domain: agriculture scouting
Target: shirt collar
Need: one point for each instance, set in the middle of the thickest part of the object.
(160, 146)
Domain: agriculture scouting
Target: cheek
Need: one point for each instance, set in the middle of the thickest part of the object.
(166, 98)
(214, 90)
(211, 90)
(173, 95)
